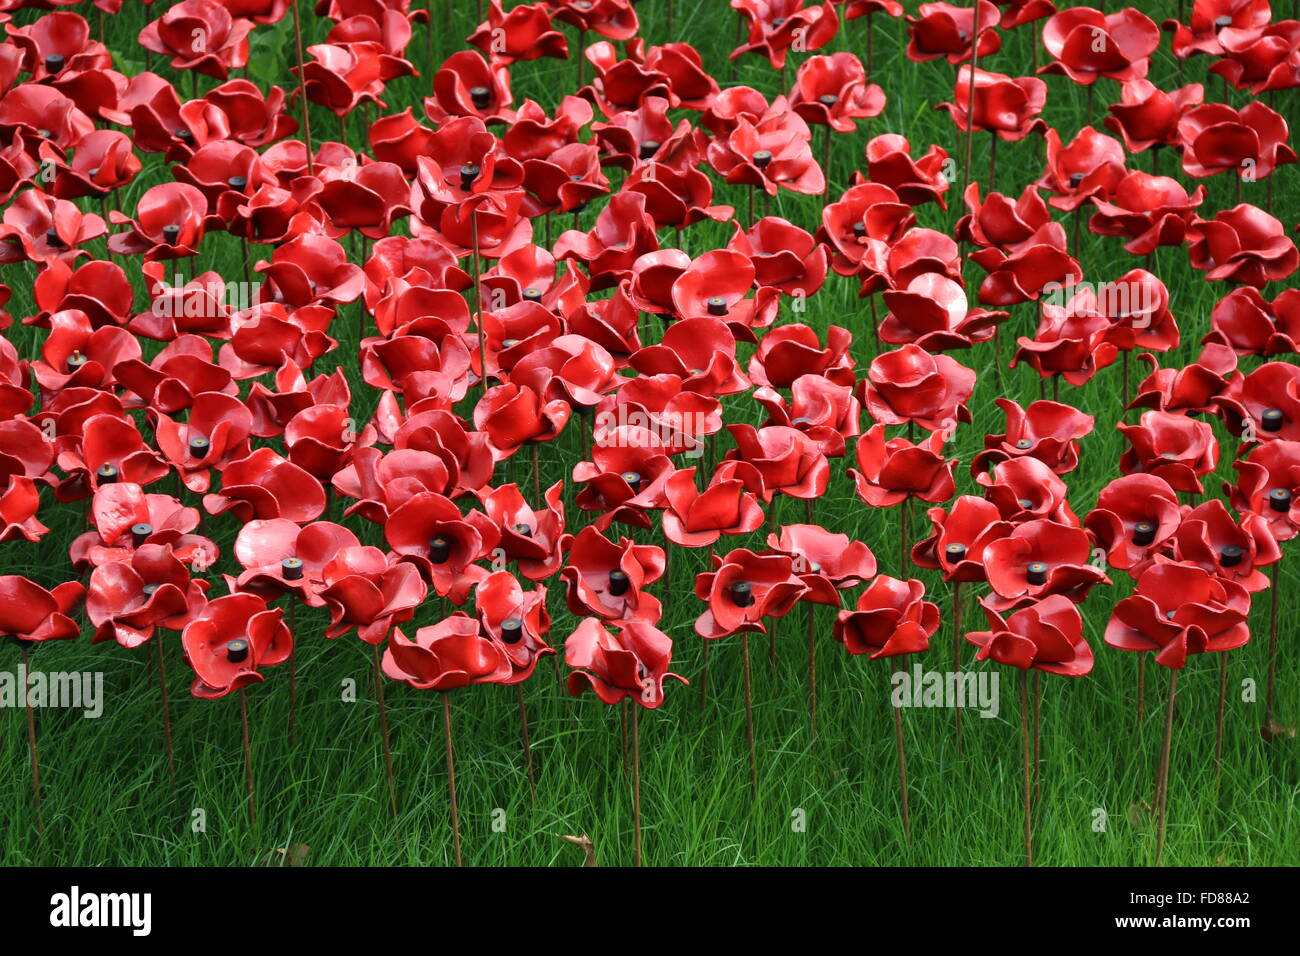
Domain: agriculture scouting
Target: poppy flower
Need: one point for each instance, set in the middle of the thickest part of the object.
(788, 461)
(1135, 518)
(832, 90)
(701, 351)
(1150, 211)
(76, 356)
(772, 152)
(677, 198)
(1177, 610)
(1173, 447)
(612, 19)
(230, 640)
(784, 256)
(1242, 244)
(515, 618)
(825, 561)
(450, 654)
(200, 35)
(729, 505)
(625, 477)
(632, 662)
(1217, 138)
(254, 118)
(532, 538)
(646, 134)
(1232, 549)
(658, 404)
(466, 85)
(110, 449)
(1026, 489)
(862, 225)
(1071, 341)
(1007, 106)
(716, 284)
(170, 223)
(827, 413)
(623, 231)
(744, 588)
(1049, 431)
(309, 269)
(1147, 117)
(889, 472)
(1191, 389)
(1248, 324)
(1029, 270)
(280, 557)
(124, 517)
(999, 222)
(611, 324)
(525, 33)
(1209, 19)
(566, 181)
(152, 588)
(890, 618)
(1268, 483)
(1086, 44)
(911, 385)
(41, 228)
(1136, 306)
(1260, 59)
(1264, 405)
(215, 434)
(19, 503)
(344, 76)
(1047, 636)
(1090, 166)
(180, 371)
(103, 162)
(789, 351)
(30, 613)
(943, 30)
(1037, 559)
(466, 454)
(932, 314)
(608, 580)
(429, 531)
(777, 26)
(364, 589)
(959, 537)
(264, 485)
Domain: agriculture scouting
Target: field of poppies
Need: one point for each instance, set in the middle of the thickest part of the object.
(665, 432)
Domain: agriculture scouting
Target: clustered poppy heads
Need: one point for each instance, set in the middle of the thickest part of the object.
(685, 401)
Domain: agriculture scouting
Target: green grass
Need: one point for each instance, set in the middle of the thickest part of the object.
(106, 794)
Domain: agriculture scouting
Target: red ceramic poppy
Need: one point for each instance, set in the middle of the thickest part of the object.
(959, 537)
(832, 90)
(789, 351)
(429, 531)
(1047, 636)
(525, 33)
(1209, 19)
(891, 618)
(1147, 117)
(1025, 489)
(1072, 340)
(729, 505)
(30, 613)
(466, 85)
(772, 152)
(364, 589)
(41, 228)
(825, 561)
(932, 313)
(1086, 44)
(1135, 518)
(623, 232)
(1216, 138)
(450, 654)
(1049, 431)
(861, 226)
(911, 385)
(1150, 211)
(102, 163)
(1007, 106)
(744, 588)
(1244, 321)
(700, 351)
(230, 640)
(128, 599)
(1268, 483)
(265, 485)
(1177, 610)
(170, 223)
(1210, 538)
(516, 619)
(76, 356)
(1242, 244)
(943, 30)
(777, 26)
(1261, 59)
(200, 35)
(1031, 269)
(625, 477)
(215, 434)
(608, 579)
(827, 413)
(1089, 167)
(677, 198)
(1039, 558)
(254, 118)
(1173, 447)
(632, 662)
(19, 504)
(110, 449)
(1264, 405)
(788, 461)
(125, 518)
(785, 257)
(1191, 389)
(279, 557)
(888, 472)
(532, 538)
(1000, 222)
(180, 371)
(612, 19)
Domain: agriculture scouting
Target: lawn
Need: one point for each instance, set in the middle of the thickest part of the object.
(835, 801)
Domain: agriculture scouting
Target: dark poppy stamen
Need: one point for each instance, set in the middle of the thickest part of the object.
(762, 157)
(632, 478)
(199, 446)
(1025, 504)
(1222, 22)
(955, 552)
(532, 295)
(76, 360)
(45, 134)
(1036, 572)
(150, 589)
(1024, 444)
(237, 183)
(171, 233)
(618, 582)
(859, 229)
(717, 305)
(648, 148)
(1231, 555)
(184, 135)
(107, 474)
(1271, 420)
(54, 63)
(480, 96)
(439, 550)
(523, 530)
(512, 630)
(52, 239)
(291, 569)
(828, 99)
(1279, 499)
(468, 174)
(742, 595)
(509, 343)
(237, 651)
(1075, 180)
(140, 533)
(1144, 533)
